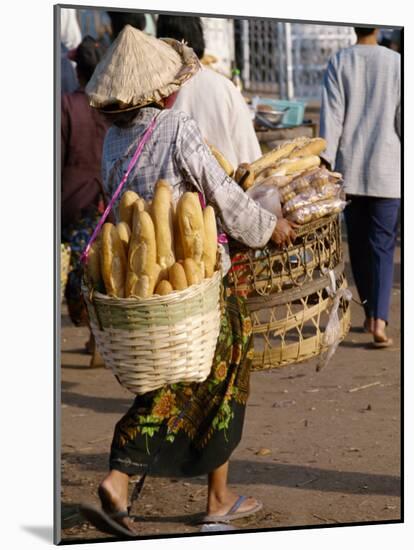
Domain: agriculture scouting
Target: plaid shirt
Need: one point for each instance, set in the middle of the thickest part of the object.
(176, 152)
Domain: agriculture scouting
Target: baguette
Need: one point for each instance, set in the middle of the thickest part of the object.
(224, 163)
(93, 265)
(192, 272)
(125, 206)
(178, 241)
(163, 287)
(143, 271)
(124, 233)
(244, 175)
(314, 147)
(162, 215)
(272, 157)
(176, 276)
(113, 261)
(190, 220)
(290, 166)
(210, 241)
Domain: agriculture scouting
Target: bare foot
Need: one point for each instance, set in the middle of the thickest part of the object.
(113, 493)
(219, 505)
(380, 336)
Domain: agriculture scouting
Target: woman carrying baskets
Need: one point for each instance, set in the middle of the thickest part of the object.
(181, 429)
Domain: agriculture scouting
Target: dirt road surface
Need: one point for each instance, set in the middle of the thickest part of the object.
(318, 448)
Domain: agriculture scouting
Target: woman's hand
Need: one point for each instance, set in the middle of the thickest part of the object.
(284, 232)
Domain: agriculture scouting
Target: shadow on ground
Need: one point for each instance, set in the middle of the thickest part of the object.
(281, 475)
(98, 404)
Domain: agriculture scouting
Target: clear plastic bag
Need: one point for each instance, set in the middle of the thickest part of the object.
(268, 196)
(332, 334)
(302, 199)
(300, 184)
(310, 212)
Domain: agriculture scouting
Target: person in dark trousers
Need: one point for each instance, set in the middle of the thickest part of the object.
(360, 119)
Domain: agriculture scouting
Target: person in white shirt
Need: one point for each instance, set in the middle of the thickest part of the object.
(211, 99)
(70, 38)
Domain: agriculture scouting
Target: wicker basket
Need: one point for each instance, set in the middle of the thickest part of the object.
(161, 340)
(270, 270)
(64, 268)
(287, 295)
(288, 327)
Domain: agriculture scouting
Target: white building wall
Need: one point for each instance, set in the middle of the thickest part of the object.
(219, 39)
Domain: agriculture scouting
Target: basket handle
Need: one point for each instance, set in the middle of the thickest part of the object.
(133, 161)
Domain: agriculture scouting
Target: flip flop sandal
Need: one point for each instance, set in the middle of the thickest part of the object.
(107, 522)
(233, 514)
(382, 343)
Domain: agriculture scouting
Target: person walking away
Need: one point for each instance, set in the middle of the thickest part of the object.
(179, 430)
(82, 134)
(360, 120)
(211, 99)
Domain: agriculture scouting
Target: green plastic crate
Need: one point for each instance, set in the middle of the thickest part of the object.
(294, 116)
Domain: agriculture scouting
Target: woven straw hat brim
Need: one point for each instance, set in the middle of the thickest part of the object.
(139, 69)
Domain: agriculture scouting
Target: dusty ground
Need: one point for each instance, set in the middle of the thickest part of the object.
(332, 440)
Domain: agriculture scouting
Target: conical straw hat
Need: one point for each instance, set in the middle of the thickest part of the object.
(139, 69)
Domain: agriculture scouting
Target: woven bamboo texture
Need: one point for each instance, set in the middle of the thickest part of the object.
(271, 270)
(161, 340)
(64, 268)
(292, 331)
(286, 292)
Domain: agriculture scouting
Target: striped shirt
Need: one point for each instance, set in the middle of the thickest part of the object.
(176, 152)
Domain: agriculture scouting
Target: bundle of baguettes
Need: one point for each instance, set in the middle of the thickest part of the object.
(306, 189)
(290, 158)
(155, 249)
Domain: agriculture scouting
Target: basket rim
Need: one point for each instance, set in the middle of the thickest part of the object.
(271, 248)
(175, 296)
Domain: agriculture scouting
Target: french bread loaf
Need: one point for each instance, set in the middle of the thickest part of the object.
(162, 215)
(192, 272)
(94, 264)
(314, 147)
(224, 163)
(125, 206)
(210, 241)
(142, 266)
(190, 220)
(113, 261)
(272, 157)
(176, 276)
(244, 175)
(290, 166)
(124, 233)
(163, 288)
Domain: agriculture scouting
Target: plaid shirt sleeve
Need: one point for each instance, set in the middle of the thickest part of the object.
(242, 218)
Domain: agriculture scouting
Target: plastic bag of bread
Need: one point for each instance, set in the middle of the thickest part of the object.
(317, 210)
(311, 195)
(268, 196)
(287, 193)
(300, 184)
(302, 199)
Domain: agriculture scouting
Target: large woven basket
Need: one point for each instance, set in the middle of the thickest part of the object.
(287, 293)
(64, 268)
(161, 340)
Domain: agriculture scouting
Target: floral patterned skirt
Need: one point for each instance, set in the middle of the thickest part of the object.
(191, 429)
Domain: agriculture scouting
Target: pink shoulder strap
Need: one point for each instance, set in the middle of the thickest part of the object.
(132, 163)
